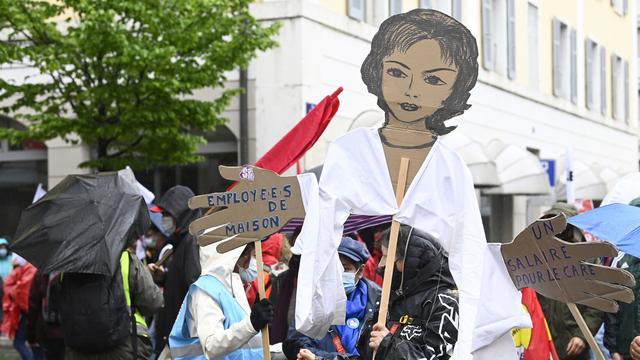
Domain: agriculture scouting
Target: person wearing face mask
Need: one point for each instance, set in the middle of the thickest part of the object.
(184, 267)
(5, 258)
(156, 239)
(423, 307)
(351, 340)
(215, 321)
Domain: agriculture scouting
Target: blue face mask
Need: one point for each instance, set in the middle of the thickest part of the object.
(250, 273)
(349, 282)
(3, 253)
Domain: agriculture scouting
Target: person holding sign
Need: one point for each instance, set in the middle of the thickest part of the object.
(569, 342)
(215, 321)
(423, 309)
(561, 270)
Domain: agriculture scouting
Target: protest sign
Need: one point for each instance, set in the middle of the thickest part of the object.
(558, 270)
(259, 205)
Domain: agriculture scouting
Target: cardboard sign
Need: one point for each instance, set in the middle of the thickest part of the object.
(259, 205)
(557, 269)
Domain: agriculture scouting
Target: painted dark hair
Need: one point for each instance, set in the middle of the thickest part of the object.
(457, 46)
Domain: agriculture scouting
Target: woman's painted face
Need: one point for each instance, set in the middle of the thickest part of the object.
(415, 83)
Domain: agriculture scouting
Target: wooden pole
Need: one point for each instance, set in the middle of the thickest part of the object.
(585, 331)
(165, 257)
(391, 250)
(265, 331)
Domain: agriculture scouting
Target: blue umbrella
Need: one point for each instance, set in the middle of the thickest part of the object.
(618, 224)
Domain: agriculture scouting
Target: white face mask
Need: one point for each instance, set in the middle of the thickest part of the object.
(168, 224)
(250, 273)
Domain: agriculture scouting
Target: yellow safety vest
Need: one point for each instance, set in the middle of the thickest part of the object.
(124, 268)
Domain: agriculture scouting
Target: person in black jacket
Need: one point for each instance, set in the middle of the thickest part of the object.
(423, 307)
(351, 340)
(184, 266)
(43, 317)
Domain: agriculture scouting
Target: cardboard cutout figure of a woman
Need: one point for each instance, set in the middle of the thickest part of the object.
(422, 66)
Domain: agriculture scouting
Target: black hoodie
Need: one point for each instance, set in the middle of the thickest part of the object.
(423, 308)
(184, 265)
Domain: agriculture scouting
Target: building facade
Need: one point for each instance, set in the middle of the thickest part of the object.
(554, 78)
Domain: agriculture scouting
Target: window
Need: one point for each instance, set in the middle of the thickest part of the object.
(532, 22)
(450, 7)
(619, 95)
(565, 80)
(593, 75)
(621, 7)
(603, 81)
(356, 9)
(23, 151)
(626, 91)
(377, 12)
(498, 43)
(395, 7)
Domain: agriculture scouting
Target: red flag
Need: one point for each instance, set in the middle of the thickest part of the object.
(537, 342)
(302, 137)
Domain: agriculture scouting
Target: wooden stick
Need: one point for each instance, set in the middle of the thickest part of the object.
(585, 331)
(165, 257)
(391, 250)
(265, 331)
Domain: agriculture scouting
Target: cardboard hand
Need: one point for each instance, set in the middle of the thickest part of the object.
(260, 204)
(555, 268)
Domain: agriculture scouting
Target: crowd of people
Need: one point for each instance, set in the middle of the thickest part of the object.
(175, 299)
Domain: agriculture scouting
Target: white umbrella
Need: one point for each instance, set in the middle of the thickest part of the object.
(625, 190)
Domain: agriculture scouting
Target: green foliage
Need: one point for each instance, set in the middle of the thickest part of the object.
(119, 74)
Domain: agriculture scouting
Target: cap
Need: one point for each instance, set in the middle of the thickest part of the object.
(564, 208)
(353, 250)
(156, 209)
(635, 202)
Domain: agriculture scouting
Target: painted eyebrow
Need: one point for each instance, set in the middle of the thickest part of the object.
(437, 69)
(399, 63)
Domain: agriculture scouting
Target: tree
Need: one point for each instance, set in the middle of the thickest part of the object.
(118, 75)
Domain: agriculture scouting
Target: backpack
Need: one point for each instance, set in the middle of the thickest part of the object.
(95, 315)
(51, 301)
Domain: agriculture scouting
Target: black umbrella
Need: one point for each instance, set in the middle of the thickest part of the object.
(83, 224)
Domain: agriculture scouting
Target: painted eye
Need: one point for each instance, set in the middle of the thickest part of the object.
(397, 73)
(433, 80)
